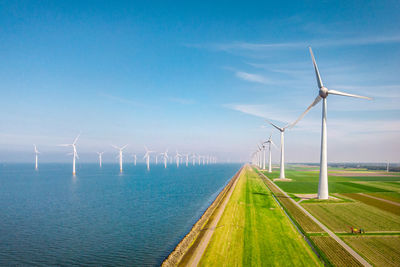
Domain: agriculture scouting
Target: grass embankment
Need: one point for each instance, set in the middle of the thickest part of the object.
(254, 231)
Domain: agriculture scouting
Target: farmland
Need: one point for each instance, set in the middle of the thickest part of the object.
(379, 250)
(378, 215)
(254, 231)
(341, 216)
(380, 204)
(335, 254)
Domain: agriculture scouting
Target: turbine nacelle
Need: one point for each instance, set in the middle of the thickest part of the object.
(323, 92)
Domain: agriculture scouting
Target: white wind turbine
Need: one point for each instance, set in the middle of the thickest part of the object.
(36, 157)
(323, 93)
(282, 130)
(134, 159)
(186, 159)
(147, 157)
(74, 153)
(177, 158)
(120, 155)
(193, 159)
(165, 157)
(100, 157)
(269, 142)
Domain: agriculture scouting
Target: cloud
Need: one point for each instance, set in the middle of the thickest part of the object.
(354, 41)
(250, 77)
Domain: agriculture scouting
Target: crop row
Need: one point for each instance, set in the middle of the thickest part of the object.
(335, 253)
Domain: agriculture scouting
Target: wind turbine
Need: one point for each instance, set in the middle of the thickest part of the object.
(186, 159)
(74, 153)
(134, 159)
(282, 130)
(36, 157)
(177, 158)
(269, 142)
(193, 159)
(323, 93)
(147, 157)
(165, 157)
(120, 155)
(100, 157)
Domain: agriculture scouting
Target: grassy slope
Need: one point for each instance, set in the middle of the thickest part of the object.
(379, 250)
(254, 231)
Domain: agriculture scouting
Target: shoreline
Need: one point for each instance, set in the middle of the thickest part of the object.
(191, 239)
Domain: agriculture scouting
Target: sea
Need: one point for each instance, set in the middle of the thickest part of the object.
(101, 217)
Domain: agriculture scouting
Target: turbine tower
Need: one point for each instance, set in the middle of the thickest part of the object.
(147, 157)
(193, 159)
(100, 157)
(187, 159)
(134, 159)
(177, 158)
(120, 155)
(269, 142)
(74, 153)
(282, 130)
(165, 158)
(323, 93)
(36, 157)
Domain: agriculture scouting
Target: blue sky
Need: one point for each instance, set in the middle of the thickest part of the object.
(197, 76)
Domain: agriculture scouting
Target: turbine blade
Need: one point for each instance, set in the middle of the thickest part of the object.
(65, 145)
(122, 148)
(115, 147)
(280, 129)
(316, 101)
(319, 81)
(76, 139)
(334, 92)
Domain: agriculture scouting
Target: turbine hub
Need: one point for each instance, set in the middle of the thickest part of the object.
(323, 92)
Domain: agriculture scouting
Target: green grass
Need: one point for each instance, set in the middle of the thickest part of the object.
(340, 217)
(379, 250)
(254, 231)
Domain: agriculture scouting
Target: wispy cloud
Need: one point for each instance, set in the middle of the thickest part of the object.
(251, 77)
(354, 41)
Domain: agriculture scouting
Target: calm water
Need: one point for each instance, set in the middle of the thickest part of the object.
(101, 217)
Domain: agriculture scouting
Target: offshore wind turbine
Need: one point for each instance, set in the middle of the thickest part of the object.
(177, 158)
(165, 157)
(193, 159)
(147, 157)
(36, 157)
(323, 93)
(282, 130)
(134, 159)
(186, 159)
(100, 157)
(120, 155)
(74, 153)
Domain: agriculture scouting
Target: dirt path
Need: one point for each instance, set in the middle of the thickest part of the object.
(198, 253)
(381, 199)
(326, 229)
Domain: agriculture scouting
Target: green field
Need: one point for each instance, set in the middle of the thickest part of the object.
(335, 253)
(341, 216)
(380, 204)
(254, 231)
(391, 196)
(378, 250)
